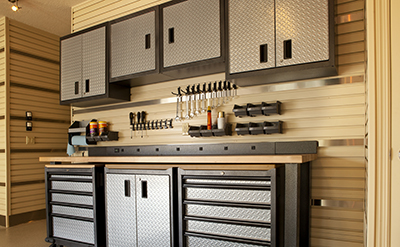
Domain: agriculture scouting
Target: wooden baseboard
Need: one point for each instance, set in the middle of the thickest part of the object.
(25, 217)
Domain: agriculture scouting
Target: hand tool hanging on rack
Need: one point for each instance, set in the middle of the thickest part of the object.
(198, 99)
(192, 101)
(178, 104)
(214, 95)
(203, 98)
(229, 91)
(209, 95)
(234, 91)
(187, 96)
(138, 121)
(143, 125)
(224, 95)
(132, 122)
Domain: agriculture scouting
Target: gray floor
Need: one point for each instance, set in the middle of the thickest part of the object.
(31, 234)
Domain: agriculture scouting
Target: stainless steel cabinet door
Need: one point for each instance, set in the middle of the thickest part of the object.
(191, 32)
(133, 45)
(94, 62)
(153, 210)
(71, 68)
(121, 210)
(302, 31)
(251, 35)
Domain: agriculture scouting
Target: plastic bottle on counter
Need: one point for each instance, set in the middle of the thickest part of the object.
(221, 120)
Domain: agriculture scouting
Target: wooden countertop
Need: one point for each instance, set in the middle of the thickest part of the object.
(250, 159)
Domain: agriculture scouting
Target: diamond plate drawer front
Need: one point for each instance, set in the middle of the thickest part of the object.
(236, 213)
(196, 25)
(251, 25)
(128, 51)
(251, 196)
(77, 199)
(71, 67)
(233, 182)
(233, 230)
(94, 62)
(120, 211)
(306, 24)
(72, 186)
(153, 211)
(81, 212)
(202, 242)
(82, 231)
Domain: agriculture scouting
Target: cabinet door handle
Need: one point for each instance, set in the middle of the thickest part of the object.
(127, 186)
(147, 40)
(264, 53)
(287, 49)
(77, 87)
(144, 189)
(87, 86)
(171, 35)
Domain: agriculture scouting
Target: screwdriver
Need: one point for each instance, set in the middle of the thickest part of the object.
(143, 114)
(132, 119)
(138, 124)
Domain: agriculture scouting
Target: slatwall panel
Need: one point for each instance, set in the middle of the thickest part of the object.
(34, 77)
(323, 113)
(3, 163)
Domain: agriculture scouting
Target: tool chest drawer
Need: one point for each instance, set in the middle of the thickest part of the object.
(75, 205)
(230, 208)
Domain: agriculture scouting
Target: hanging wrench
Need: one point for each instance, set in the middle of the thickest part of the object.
(203, 99)
(192, 102)
(197, 94)
(187, 95)
(178, 104)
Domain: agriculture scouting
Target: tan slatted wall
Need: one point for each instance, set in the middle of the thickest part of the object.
(3, 164)
(327, 113)
(34, 80)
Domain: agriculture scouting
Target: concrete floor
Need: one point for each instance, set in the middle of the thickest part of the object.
(31, 234)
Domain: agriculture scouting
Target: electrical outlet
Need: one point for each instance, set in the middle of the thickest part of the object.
(185, 129)
(30, 140)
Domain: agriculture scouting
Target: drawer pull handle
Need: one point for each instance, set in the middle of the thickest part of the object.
(144, 189)
(77, 87)
(171, 35)
(87, 86)
(287, 49)
(263, 53)
(127, 188)
(147, 41)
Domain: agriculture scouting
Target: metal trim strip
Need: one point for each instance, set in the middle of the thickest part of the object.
(243, 91)
(337, 203)
(341, 142)
(38, 150)
(356, 16)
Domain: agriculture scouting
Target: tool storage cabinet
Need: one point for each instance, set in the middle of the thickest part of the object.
(84, 69)
(75, 205)
(192, 37)
(280, 40)
(139, 207)
(230, 208)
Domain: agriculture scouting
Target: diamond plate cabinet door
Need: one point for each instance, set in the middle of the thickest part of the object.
(279, 40)
(84, 69)
(192, 37)
(139, 207)
(75, 206)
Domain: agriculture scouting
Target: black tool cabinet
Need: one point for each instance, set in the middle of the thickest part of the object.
(75, 205)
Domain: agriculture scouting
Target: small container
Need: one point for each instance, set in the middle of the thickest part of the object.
(93, 128)
(102, 127)
(221, 120)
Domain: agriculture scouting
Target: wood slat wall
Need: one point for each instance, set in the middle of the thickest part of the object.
(3, 163)
(34, 86)
(334, 112)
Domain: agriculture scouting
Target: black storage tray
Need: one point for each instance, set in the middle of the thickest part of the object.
(273, 108)
(202, 131)
(109, 136)
(242, 129)
(254, 110)
(256, 128)
(272, 127)
(240, 111)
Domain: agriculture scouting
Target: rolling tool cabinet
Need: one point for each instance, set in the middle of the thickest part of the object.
(75, 205)
(140, 207)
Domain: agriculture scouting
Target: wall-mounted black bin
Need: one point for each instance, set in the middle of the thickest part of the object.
(253, 110)
(259, 128)
(202, 131)
(108, 136)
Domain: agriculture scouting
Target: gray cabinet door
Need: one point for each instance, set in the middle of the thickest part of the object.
(71, 68)
(133, 45)
(302, 31)
(191, 32)
(153, 210)
(121, 210)
(94, 62)
(251, 35)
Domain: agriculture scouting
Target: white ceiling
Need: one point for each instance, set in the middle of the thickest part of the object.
(53, 16)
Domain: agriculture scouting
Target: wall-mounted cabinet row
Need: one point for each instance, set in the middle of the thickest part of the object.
(187, 38)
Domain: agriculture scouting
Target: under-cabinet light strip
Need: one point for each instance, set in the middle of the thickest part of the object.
(241, 91)
(356, 16)
(337, 203)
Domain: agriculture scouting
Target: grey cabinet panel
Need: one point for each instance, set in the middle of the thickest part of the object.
(82, 231)
(121, 210)
(153, 210)
(94, 62)
(251, 29)
(306, 24)
(129, 52)
(71, 68)
(196, 32)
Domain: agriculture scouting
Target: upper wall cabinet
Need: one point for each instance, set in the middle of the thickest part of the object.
(84, 69)
(192, 37)
(280, 40)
